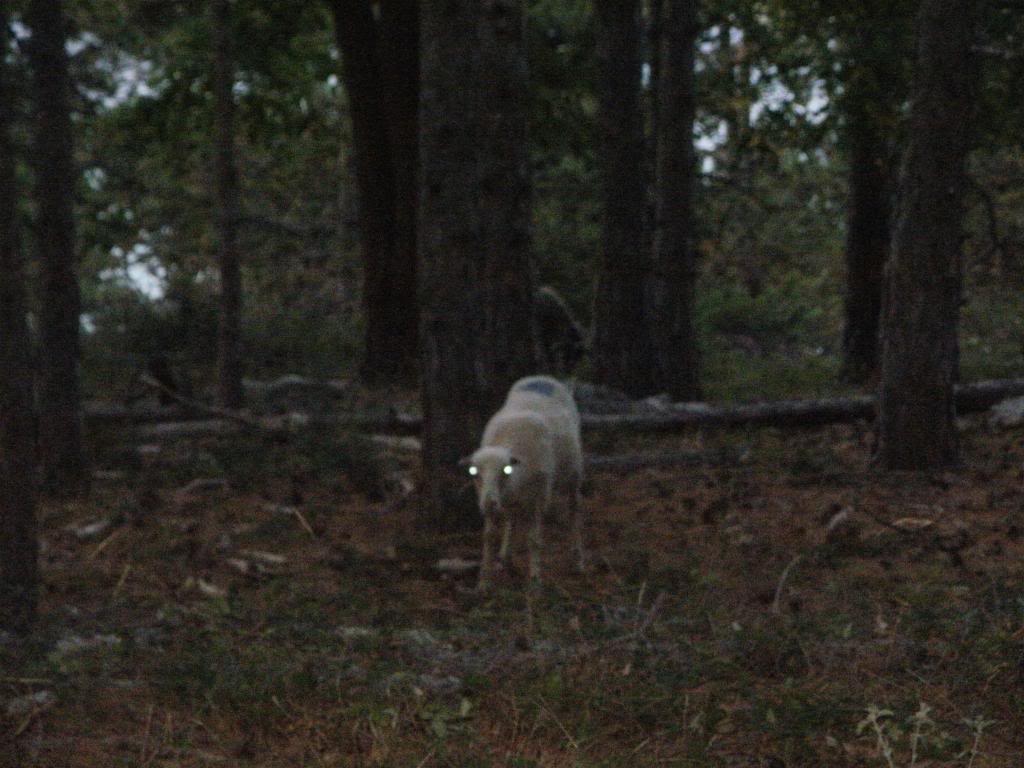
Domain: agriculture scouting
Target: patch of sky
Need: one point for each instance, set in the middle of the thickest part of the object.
(19, 30)
(95, 178)
(139, 269)
(130, 79)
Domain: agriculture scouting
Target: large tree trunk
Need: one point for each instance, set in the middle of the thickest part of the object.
(380, 72)
(229, 329)
(505, 198)
(455, 390)
(621, 349)
(397, 336)
(677, 366)
(867, 247)
(19, 575)
(60, 429)
(873, 89)
(919, 331)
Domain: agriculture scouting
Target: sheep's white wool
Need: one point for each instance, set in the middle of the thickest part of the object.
(530, 449)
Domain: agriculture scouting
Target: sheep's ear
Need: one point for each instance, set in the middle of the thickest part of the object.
(465, 461)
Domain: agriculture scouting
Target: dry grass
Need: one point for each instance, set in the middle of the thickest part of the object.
(354, 651)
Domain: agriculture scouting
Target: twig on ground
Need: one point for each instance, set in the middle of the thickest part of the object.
(782, 582)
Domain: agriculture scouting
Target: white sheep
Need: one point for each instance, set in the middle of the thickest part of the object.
(530, 449)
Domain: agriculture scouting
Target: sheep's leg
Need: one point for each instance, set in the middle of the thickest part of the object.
(487, 554)
(506, 536)
(577, 530)
(535, 539)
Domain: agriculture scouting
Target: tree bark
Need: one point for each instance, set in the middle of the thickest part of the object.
(229, 328)
(621, 349)
(919, 338)
(380, 72)
(455, 391)
(399, 36)
(505, 199)
(676, 353)
(873, 91)
(867, 248)
(19, 573)
(60, 428)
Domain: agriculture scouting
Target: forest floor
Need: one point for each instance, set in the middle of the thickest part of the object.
(786, 607)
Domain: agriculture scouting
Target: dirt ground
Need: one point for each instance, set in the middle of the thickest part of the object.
(779, 604)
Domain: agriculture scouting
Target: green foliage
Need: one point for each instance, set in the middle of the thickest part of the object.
(778, 82)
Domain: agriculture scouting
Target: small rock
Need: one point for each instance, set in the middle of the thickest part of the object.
(911, 524)
(456, 565)
(1008, 413)
(356, 633)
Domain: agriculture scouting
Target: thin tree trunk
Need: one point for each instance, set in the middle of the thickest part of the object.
(19, 574)
(621, 350)
(60, 428)
(677, 366)
(919, 337)
(380, 76)
(653, 18)
(505, 198)
(229, 329)
(867, 248)
(455, 390)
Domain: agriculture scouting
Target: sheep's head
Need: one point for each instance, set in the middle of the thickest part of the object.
(496, 474)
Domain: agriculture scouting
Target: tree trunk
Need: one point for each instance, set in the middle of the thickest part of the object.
(677, 366)
(621, 349)
(60, 428)
(400, 30)
(19, 574)
(873, 90)
(505, 199)
(229, 329)
(919, 336)
(380, 72)
(867, 248)
(455, 391)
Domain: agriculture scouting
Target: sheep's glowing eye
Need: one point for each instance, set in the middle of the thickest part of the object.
(508, 469)
(473, 471)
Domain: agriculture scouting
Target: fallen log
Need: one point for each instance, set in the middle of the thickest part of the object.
(673, 417)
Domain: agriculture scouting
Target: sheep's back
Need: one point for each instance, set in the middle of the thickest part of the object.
(544, 405)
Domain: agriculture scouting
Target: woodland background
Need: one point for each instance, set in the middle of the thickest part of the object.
(203, 562)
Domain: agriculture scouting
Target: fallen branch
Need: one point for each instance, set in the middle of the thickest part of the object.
(777, 602)
(198, 406)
